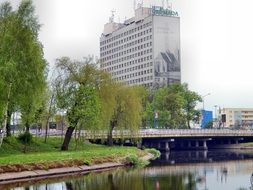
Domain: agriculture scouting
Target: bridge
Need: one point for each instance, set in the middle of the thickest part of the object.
(188, 139)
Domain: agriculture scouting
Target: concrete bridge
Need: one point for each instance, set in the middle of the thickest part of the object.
(187, 139)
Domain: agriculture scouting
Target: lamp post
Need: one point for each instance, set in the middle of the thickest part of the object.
(203, 111)
(215, 116)
(203, 99)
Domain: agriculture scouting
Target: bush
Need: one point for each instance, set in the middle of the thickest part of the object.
(25, 138)
(155, 152)
(134, 160)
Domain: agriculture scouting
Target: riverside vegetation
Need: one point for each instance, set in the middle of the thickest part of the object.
(40, 155)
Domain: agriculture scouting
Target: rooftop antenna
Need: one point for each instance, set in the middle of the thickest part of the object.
(169, 5)
(111, 19)
(163, 3)
(140, 4)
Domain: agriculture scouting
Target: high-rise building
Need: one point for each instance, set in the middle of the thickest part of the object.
(145, 49)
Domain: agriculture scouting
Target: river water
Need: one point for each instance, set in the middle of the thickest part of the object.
(204, 170)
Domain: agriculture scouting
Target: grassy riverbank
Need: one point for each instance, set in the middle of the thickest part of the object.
(42, 155)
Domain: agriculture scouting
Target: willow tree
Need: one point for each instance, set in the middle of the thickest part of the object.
(76, 86)
(22, 63)
(126, 111)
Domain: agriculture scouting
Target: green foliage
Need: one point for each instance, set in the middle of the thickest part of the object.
(76, 92)
(25, 138)
(11, 152)
(156, 153)
(209, 125)
(175, 106)
(22, 63)
(136, 161)
(121, 105)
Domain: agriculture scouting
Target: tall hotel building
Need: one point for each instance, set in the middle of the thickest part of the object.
(145, 49)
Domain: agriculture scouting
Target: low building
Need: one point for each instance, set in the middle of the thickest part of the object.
(237, 117)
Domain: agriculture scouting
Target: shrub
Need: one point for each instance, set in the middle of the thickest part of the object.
(155, 152)
(25, 138)
(134, 160)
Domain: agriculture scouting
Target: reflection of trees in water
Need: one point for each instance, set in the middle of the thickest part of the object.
(135, 180)
(124, 180)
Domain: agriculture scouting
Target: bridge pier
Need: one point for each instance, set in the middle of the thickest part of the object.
(158, 145)
(167, 147)
(204, 145)
(196, 144)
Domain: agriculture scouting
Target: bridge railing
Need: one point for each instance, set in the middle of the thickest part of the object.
(194, 132)
(149, 133)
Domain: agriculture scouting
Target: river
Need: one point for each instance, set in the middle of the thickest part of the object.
(201, 170)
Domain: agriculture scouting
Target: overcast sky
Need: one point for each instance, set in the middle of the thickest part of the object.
(216, 40)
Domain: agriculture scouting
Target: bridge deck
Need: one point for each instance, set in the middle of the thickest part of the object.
(172, 133)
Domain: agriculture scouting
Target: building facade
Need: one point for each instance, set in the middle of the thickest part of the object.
(237, 117)
(145, 49)
(206, 119)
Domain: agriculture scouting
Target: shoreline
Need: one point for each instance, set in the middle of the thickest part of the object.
(15, 177)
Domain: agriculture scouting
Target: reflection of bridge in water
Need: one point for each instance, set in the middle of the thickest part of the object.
(186, 139)
(241, 166)
(202, 156)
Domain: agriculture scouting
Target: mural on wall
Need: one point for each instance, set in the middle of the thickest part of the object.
(167, 50)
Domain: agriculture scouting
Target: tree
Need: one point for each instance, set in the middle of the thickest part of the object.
(127, 111)
(121, 105)
(175, 106)
(191, 99)
(22, 63)
(76, 92)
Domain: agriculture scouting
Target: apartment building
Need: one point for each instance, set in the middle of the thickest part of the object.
(237, 117)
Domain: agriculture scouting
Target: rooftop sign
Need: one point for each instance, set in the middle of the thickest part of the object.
(156, 10)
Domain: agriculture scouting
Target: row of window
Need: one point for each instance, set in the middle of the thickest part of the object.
(124, 40)
(122, 53)
(131, 56)
(104, 50)
(134, 81)
(129, 32)
(129, 50)
(136, 61)
(142, 72)
(142, 66)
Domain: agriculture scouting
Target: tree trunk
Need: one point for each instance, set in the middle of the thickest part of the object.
(65, 144)
(5, 116)
(27, 127)
(48, 117)
(8, 124)
(188, 124)
(109, 135)
(46, 132)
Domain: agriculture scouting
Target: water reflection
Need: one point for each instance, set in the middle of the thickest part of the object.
(202, 156)
(173, 171)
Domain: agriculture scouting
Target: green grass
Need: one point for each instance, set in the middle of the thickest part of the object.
(12, 151)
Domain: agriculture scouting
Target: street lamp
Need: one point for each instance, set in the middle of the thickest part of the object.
(203, 99)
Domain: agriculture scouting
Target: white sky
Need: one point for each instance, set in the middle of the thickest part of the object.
(216, 40)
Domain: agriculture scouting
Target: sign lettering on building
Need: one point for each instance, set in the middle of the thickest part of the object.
(156, 10)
